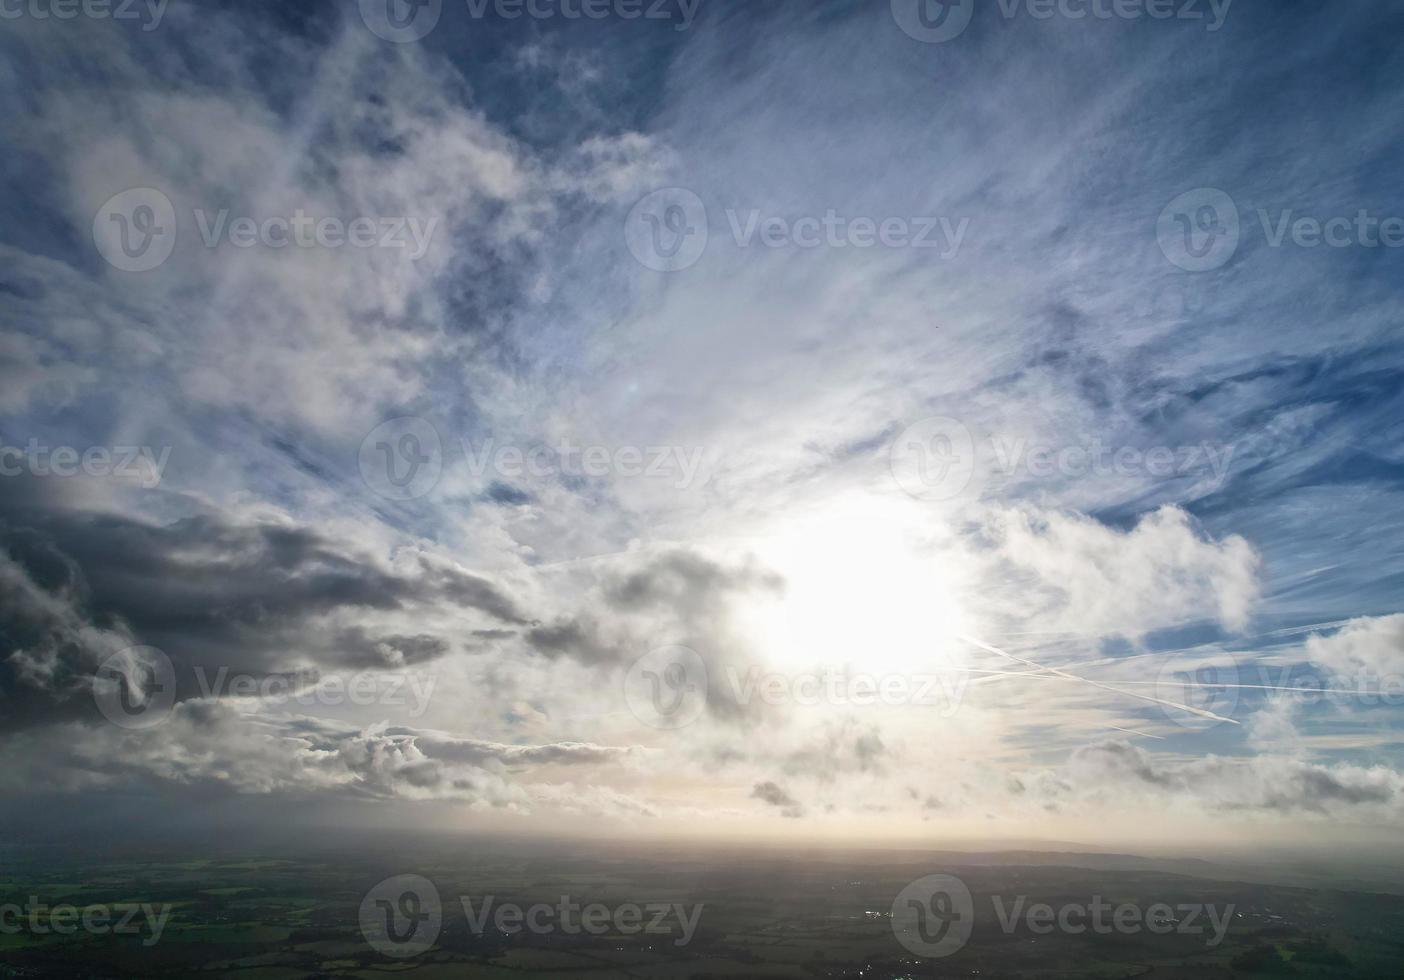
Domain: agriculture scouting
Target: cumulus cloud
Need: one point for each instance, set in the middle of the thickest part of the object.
(207, 744)
(1069, 572)
(678, 596)
(789, 371)
(1268, 784)
(252, 596)
(1375, 645)
(772, 794)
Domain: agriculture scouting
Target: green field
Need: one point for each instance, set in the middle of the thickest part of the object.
(829, 917)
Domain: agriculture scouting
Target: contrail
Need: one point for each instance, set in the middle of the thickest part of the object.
(995, 675)
(1132, 731)
(1106, 687)
(1043, 675)
(1309, 627)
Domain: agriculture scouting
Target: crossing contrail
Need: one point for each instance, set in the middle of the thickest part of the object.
(1041, 668)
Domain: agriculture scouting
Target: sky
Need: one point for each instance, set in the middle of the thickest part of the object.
(692, 418)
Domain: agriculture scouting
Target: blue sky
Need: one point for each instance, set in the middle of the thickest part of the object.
(930, 372)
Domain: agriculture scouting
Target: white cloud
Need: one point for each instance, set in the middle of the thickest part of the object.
(1375, 645)
(1064, 572)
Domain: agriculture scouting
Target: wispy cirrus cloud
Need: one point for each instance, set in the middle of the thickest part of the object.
(780, 375)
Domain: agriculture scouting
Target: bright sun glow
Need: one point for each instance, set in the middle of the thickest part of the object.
(859, 592)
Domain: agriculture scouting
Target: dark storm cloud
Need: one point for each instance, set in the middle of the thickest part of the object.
(1124, 760)
(476, 752)
(677, 598)
(357, 648)
(209, 591)
(1314, 788)
(836, 749)
(773, 794)
(577, 638)
(205, 577)
(686, 591)
(1264, 784)
(686, 588)
(503, 493)
(212, 746)
(686, 582)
